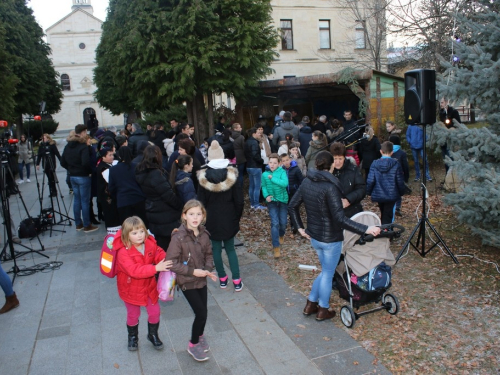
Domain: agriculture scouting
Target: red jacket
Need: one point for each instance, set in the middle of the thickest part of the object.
(136, 272)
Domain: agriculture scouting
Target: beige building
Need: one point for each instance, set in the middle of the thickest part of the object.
(73, 41)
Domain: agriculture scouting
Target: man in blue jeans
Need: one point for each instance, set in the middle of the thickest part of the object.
(76, 160)
(415, 138)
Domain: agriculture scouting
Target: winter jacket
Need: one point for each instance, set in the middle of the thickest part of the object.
(53, 153)
(305, 136)
(223, 200)
(189, 252)
(385, 181)
(295, 177)
(25, 152)
(184, 186)
(159, 136)
(134, 139)
(163, 206)
(136, 272)
(123, 186)
(321, 194)
(321, 126)
(239, 147)
(283, 129)
(353, 186)
(368, 151)
(401, 156)
(196, 166)
(314, 148)
(275, 187)
(228, 148)
(76, 157)
(252, 153)
(415, 137)
(107, 202)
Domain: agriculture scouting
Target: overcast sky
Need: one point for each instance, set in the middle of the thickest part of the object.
(48, 12)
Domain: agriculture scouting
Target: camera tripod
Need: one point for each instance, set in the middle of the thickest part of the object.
(5, 174)
(424, 220)
(54, 188)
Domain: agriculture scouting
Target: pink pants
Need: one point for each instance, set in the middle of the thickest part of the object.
(134, 312)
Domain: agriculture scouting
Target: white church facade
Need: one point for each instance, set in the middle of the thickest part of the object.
(73, 41)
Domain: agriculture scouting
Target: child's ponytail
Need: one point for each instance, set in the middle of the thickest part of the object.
(178, 165)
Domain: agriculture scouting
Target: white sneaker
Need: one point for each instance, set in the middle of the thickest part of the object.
(19, 182)
(28, 180)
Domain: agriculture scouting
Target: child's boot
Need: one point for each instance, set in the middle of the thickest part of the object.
(133, 337)
(277, 252)
(153, 335)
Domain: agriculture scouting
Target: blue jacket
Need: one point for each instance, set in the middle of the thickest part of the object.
(415, 137)
(123, 186)
(295, 178)
(184, 186)
(385, 181)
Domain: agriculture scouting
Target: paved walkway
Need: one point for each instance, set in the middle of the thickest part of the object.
(71, 320)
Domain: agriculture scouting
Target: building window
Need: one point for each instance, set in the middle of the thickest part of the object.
(66, 85)
(324, 34)
(286, 34)
(360, 35)
(82, 45)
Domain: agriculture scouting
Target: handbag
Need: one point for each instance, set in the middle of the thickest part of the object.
(166, 285)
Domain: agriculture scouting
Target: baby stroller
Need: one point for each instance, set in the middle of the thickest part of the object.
(363, 275)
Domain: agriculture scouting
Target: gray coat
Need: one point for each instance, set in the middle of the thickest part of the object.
(25, 152)
(283, 129)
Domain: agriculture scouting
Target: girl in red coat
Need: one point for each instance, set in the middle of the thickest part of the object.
(138, 259)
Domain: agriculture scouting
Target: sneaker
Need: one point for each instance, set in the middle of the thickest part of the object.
(16, 239)
(79, 227)
(223, 282)
(259, 207)
(204, 344)
(19, 182)
(238, 285)
(197, 352)
(90, 228)
(417, 179)
(429, 179)
(28, 180)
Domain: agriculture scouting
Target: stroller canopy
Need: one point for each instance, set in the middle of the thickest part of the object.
(362, 258)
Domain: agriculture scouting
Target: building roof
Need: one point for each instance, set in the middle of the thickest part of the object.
(70, 14)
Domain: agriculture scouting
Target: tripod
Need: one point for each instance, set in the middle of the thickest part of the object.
(423, 221)
(6, 173)
(54, 187)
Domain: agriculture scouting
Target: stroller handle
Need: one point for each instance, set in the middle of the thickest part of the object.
(387, 231)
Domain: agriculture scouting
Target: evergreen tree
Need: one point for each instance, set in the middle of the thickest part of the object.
(8, 81)
(475, 78)
(156, 53)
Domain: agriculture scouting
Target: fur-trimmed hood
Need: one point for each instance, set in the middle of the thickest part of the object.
(76, 138)
(217, 180)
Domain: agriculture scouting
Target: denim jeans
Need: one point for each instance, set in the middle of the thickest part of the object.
(417, 155)
(328, 254)
(278, 213)
(231, 256)
(21, 165)
(81, 201)
(5, 282)
(255, 177)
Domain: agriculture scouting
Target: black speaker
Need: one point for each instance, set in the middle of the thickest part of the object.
(420, 96)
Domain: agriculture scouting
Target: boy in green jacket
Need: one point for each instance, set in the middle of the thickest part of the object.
(274, 184)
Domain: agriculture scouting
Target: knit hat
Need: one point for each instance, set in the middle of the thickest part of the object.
(215, 151)
(395, 140)
(99, 133)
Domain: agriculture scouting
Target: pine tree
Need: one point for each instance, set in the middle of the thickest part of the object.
(475, 78)
(156, 53)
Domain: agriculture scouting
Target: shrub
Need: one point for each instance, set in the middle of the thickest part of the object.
(34, 130)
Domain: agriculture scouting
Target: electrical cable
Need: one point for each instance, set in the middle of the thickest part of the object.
(40, 267)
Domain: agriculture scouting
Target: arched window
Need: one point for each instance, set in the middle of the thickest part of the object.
(66, 85)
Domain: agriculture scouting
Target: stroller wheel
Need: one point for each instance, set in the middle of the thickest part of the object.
(391, 303)
(347, 316)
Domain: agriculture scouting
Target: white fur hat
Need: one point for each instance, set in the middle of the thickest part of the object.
(215, 151)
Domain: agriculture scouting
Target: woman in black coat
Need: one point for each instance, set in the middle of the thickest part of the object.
(223, 200)
(163, 207)
(106, 202)
(321, 194)
(369, 150)
(353, 183)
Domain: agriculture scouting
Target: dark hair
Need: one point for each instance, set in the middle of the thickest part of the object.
(178, 165)
(335, 123)
(226, 135)
(321, 136)
(395, 140)
(324, 161)
(103, 152)
(251, 132)
(275, 156)
(152, 159)
(337, 149)
(120, 140)
(387, 147)
(183, 126)
(289, 140)
(181, 136)
(125, 155)
(187, 145)
(156, 127)
(287, 116)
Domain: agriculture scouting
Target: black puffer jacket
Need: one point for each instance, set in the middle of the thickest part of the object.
(133, 141)
(353, 186)
(223, 199)
(321, 193)
(385, 181)
(76, 157)
(252, 153)
(163, 207)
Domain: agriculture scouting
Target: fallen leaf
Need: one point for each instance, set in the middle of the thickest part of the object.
(301, 326)
(116, 365)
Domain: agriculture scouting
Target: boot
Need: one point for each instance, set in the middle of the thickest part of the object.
(11, 302)
(324, 313)
(153, 335)
(133, 337)
(282, 240)
(277, 252)
(311, 308)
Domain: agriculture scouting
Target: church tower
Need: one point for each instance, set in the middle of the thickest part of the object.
(83, 5)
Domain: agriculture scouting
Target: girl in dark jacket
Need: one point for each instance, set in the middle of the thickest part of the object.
(353, 184)
(369, 150)
(315, 146)
(104, 199)
(47, 153)
(223, 199)
(180, 178)
(321, 194)
(163, 207)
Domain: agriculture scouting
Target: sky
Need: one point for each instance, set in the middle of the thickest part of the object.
(48, 12)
